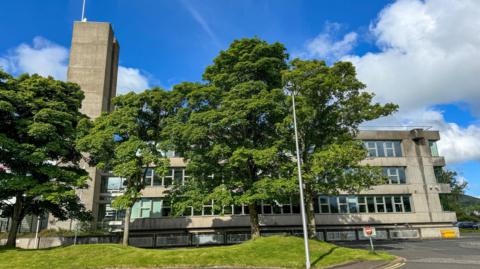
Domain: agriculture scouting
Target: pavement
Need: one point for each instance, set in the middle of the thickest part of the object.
(462, 253)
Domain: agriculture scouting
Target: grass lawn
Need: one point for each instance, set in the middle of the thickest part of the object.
(274, 251)
(463, 230)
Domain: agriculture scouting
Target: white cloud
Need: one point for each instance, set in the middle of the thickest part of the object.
(43, 57)
(131, 79)
(429, 55)
(49, 59)
(326, 46)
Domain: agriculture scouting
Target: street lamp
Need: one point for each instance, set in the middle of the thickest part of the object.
(300, 185)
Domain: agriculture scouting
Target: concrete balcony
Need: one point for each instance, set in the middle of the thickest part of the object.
(438, 161)
(443, 188)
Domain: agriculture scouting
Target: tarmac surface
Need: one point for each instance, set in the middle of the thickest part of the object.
(462, 253)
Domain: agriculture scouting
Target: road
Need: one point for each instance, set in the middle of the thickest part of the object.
(462, 253)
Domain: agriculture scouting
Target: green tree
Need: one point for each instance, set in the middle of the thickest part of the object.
(451, 201)
(330, 105)
(39, 118)
(128, 141)
(231, 134)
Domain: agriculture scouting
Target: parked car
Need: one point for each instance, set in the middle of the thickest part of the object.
(467, 225)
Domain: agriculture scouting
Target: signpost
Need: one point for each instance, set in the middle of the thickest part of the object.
(370, 232)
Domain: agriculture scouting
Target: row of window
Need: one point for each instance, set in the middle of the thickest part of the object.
(158, 207)
(365, 204)
(112, 184)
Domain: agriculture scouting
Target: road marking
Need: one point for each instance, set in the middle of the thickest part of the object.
(397, 265)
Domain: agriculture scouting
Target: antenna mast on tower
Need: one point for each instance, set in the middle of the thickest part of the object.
(83, 12)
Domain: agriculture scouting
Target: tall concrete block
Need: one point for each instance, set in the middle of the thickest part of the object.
(94, 65)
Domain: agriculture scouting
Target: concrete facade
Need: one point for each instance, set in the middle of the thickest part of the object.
(424, 219)
(94, 66)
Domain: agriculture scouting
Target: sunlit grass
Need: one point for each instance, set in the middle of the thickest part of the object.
(274, 251)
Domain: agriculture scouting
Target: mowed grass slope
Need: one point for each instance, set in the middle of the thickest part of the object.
(274, 251)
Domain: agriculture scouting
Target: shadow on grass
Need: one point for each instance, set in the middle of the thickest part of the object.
(330, 251)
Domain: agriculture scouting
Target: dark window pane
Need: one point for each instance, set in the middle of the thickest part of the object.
(333, 204)
(362, 208)
(401, 171)
(207, 211)
(267, 209)
(371, 205)
(406, 204)
(398, 148)
(237, 210)
(343, 209)
(277, 209)
(324, 209)
(157, 180)
(316, 209)
(286, 209)
(178, 176)
(246, 210)
(381, 151)
(295, 209)
(388, 203)
(167, 181)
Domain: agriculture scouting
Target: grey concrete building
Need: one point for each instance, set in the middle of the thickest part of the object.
(407, 207)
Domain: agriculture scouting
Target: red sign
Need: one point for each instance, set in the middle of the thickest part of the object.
(369, 231)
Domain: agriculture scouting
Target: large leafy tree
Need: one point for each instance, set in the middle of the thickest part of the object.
(39, 118)
(128, 141)
(331, 103)
(232, 135)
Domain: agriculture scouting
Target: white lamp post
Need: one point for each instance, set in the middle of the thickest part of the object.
(300, 184)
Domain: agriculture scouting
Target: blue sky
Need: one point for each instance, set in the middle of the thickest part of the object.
(409, 52)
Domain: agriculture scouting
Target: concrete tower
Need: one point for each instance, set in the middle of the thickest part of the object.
(94, 65)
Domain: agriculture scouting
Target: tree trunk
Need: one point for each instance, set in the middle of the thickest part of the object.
(310, 210)
(254, 224)
(17, 217)
(126, 225)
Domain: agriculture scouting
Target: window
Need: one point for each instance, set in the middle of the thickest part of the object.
(398, 204)
(107, 213)
(333, 204)
(324, 205)
(150, 208)
(178, 176)
(371, 148)
(207, 209)
(406, 203)
(342, 203)
(365, 204)
(396, 175)
(111, 184)
(173, 176)
(352, 204)
(266, 208)
(362, 204)
(149, 177)
(380, 204)
(433, 148)
(383, 148)
(371, 204)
